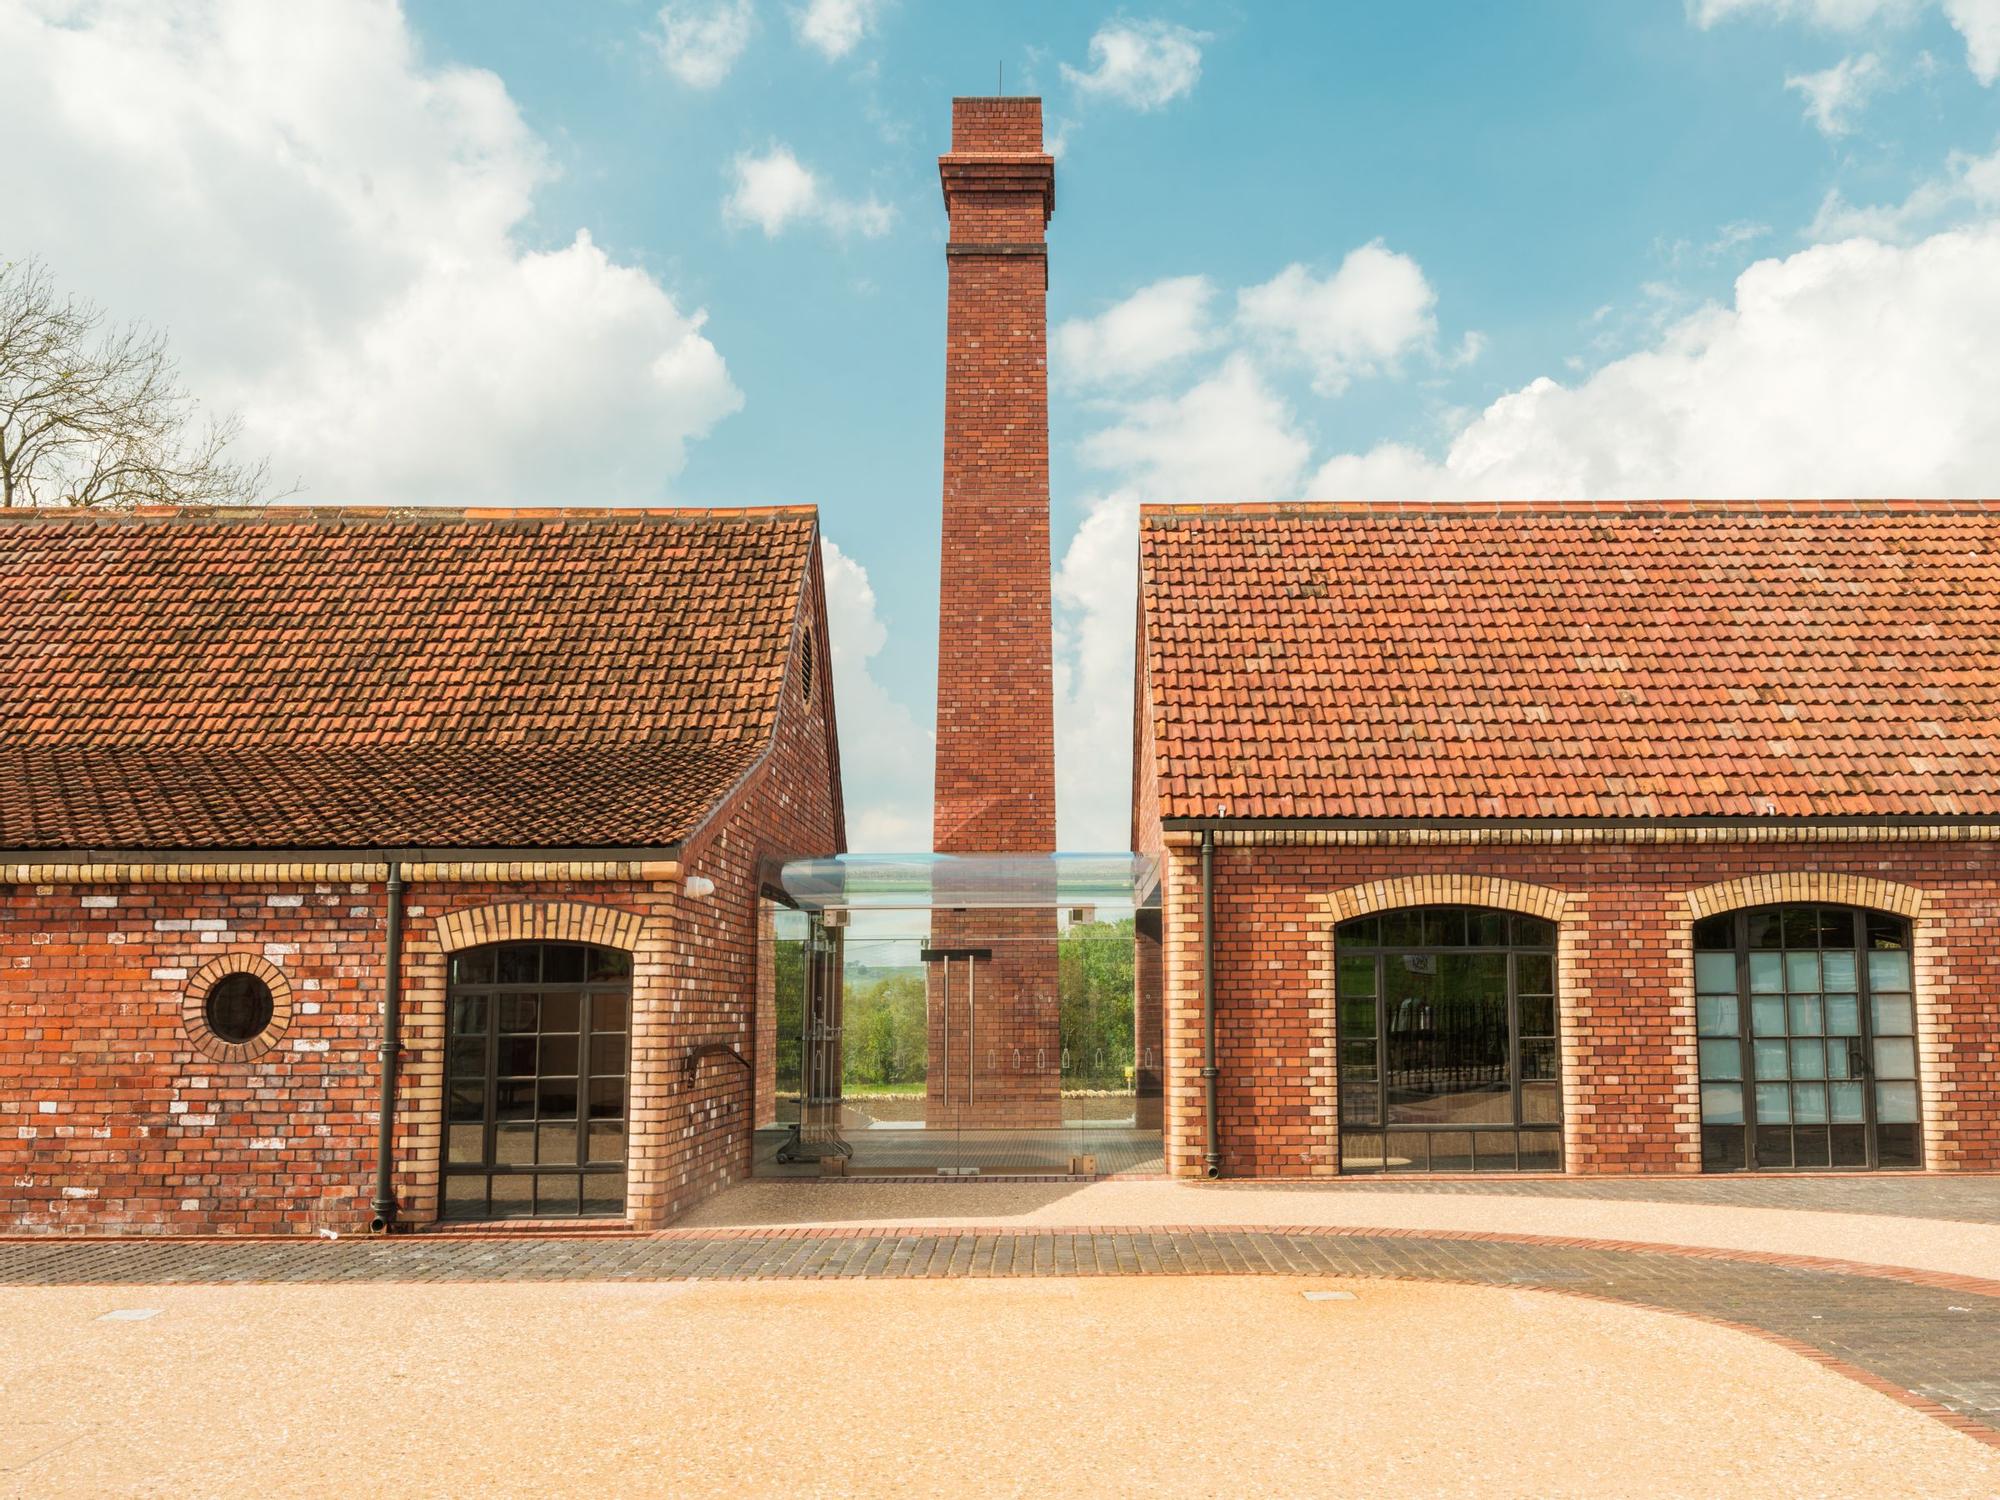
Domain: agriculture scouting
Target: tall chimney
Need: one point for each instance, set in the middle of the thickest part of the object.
(995, 779)
(995, 1047)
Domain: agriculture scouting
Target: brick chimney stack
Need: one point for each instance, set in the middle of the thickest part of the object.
(995, 778)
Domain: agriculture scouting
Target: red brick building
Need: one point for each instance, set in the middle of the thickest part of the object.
(551, 757)
(1649, 837)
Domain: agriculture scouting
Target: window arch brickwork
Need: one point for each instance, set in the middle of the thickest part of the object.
(540, 921)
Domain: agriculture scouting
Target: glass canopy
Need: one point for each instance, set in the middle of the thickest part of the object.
(904, 882)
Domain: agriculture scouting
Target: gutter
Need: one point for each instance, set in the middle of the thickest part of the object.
(384, 1218)
(1212, 1154)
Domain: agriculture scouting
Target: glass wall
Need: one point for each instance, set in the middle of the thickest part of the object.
(1807, 1023)
(1448, 1042)
(989, 1041)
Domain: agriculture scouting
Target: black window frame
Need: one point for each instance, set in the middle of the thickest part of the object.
(1375, 936)
(1866, 925)
(596, 959)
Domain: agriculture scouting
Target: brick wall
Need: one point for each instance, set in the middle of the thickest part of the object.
(1625, 969)
(113, 1117)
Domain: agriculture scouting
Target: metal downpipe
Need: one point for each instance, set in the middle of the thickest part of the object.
(390, 1052)
(1212, 1155)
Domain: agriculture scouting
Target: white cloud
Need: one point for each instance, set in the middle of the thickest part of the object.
(700, 42)
(1858, 368)
(835, 28)
(1977, 21)
(331, 237)
(885, 757)
(1145, 64)
(1834, 96)
(1358, 321)
(1231, 437)
(1154, 328)
(775, 190)
(1969, 185)
(1096, 601)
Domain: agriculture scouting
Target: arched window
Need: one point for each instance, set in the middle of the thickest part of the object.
(1807, 1025)
(1448, 1055)
(535, 1081)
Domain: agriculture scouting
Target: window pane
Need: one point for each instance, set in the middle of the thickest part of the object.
(1541, 1151)
(1721, 1148)
(555, 1098)
(468, 1143)
(1773, 1061)
(1836, 927)
(604, 1194)
(517, 1013)
(607, 1098)
(608, 964)
(1538, 1059)
(1451, 1151)
(1801, 927)
(514, 1145)
(1357, 977)
(1892, 1015)
(1809, 1103)
(1843, 1015)
(1897, 1145)
(1360, 1152)
(1846, 1101)
(514, 1197)
(562, 963)
(1360, 1103)
(1722, 1104)
(1715, 972)
(1538, 1015)
(1802, 973)
(1357, 1017)
(1535, 973)
(607, 1012)
(1403, 929)
(519, 963)
(1767, 1015)
(1721, 1059)
(1716, 1015)
(607, 1053)
(558, 1054)
(517, 1056)
(1837, 969)
(560, 1011)
(1715, 932)
(475, 967)
(1766, 930)
(468, 1058)
(1896, 1103)
(1809, 1059)
(1489, 929)
(1767, 973)
(1357, 1060)
(556, 1144)
(468, 1016)
(1533, 932)
(1888, 971)
(607, 1140)
(1808, 1019)
(1895, 1057)
(1444, 927)
(1363, 932)
(1541, 1103)
(1886, 931)
(1774, 1103)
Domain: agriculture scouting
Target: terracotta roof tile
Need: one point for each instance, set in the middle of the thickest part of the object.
(337, 678)
(1575, 660)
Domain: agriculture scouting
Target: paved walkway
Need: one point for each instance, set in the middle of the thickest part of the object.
(1933, 1339)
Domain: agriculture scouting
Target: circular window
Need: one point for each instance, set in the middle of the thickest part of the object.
(238, 1008)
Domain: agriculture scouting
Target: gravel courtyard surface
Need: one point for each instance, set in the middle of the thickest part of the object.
(1123, 1386)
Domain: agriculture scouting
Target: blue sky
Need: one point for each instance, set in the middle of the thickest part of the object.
(1299, 250)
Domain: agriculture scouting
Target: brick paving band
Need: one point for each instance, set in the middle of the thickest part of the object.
(1933, 1342)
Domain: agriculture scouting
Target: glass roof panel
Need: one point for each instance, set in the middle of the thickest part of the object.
(884, 882)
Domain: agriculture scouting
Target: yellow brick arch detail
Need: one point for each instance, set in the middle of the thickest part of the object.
(1447, 890)
(539, 922)
(1821, 886)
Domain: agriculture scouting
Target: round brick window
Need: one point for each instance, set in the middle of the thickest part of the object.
(237, 1007)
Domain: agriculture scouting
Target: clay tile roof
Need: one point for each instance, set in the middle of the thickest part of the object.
(1641, 660)
(337, 678)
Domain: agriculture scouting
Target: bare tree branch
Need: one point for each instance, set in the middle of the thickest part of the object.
(101, 419)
